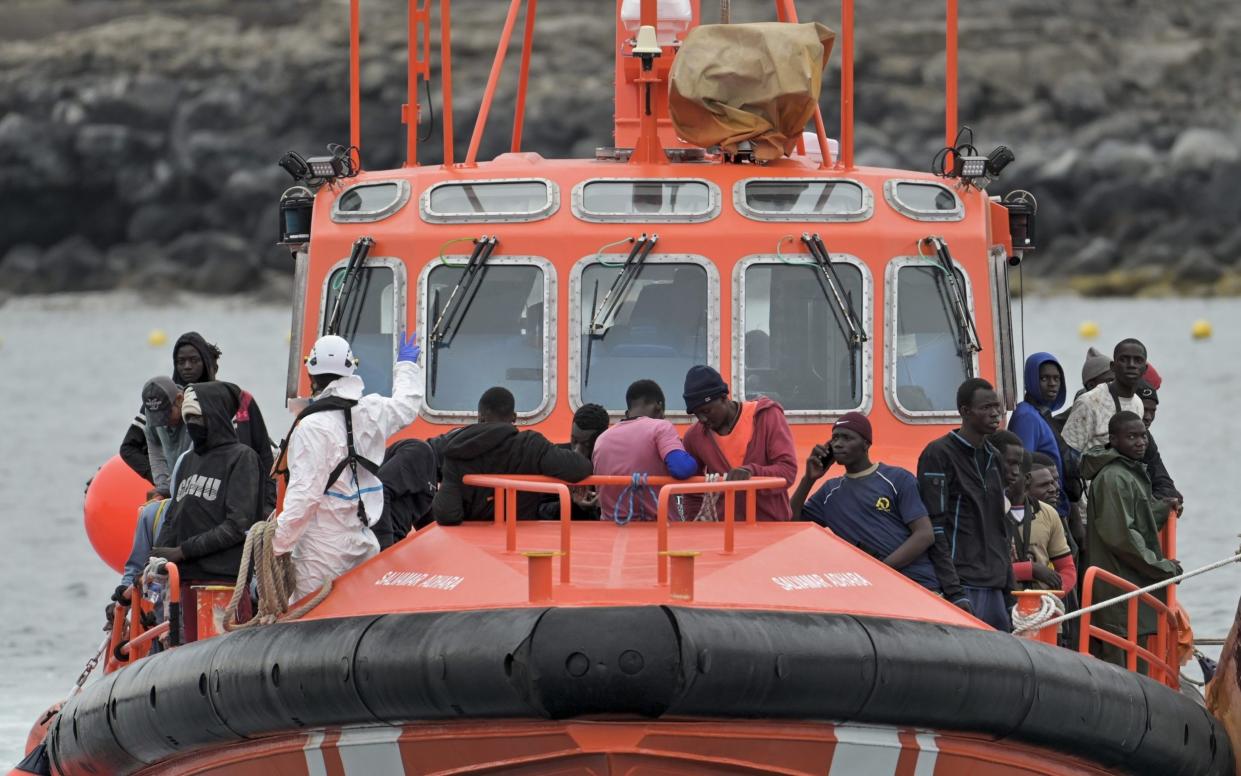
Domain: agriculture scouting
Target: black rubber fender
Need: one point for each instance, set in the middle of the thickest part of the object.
(289, 676)
(444, 665)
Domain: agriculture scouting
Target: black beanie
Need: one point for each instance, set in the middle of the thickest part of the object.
(702, 384)
(1147, 391)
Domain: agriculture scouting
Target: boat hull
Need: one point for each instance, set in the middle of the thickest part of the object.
(632, 748)
(632, 663)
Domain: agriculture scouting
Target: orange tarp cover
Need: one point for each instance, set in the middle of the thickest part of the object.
(758, 82)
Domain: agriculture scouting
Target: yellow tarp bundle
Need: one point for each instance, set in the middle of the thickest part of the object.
(758, 82)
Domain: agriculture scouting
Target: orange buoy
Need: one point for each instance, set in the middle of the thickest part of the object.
(111, 510)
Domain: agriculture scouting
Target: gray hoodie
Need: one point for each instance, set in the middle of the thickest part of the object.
(164, 446)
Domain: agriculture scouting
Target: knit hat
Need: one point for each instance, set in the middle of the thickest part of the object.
(857, 423)
(1096, 364)
(702, 384)
(1147, 391)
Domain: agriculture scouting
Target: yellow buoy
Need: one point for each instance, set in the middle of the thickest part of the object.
(1088, 330)
(1201, 329)
(156, 338)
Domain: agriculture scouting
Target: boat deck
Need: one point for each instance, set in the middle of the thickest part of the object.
(792, 566)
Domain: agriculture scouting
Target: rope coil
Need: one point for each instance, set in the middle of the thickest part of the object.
(276, 578)
(1049, 606)
(635, 486)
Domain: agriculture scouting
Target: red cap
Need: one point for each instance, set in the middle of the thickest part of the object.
(857, 423)
(1152, 378)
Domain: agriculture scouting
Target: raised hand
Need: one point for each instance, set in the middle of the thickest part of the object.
(409, 350)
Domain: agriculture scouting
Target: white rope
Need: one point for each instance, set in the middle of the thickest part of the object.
(1049, 606)
(1135, 593)
(706, 512)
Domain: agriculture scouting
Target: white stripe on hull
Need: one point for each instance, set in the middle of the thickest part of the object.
(928, 753)
(314, 754)
(371, 751)
(865, 751)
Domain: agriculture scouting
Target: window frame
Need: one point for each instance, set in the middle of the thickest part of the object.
(1002, 325)
(678, 416)
(714, 199)
(890, 195)
(529, 417)
(548, 209)
(741, 203)
(404, 192)
(399, 302)
(867, 315)
(891, 305)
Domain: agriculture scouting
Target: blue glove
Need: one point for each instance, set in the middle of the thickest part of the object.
(409, 350)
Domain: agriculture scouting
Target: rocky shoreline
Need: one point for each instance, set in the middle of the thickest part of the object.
(138, 138)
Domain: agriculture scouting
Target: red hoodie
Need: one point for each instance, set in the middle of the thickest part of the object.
(770, 454)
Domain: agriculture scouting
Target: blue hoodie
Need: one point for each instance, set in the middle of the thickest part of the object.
(1029, 423)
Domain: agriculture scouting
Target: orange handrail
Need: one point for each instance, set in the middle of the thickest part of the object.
(1161, 660)
(506, 489)
(730, 488)
(523, 75)
(121, 650)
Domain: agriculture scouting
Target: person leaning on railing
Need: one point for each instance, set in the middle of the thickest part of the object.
(1123, 525)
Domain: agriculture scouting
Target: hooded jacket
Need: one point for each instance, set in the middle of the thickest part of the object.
(211, 362)
(248, 422)
(1123, 522)
(217, 494)
(770, 454)
(498, 448)
(319, 523)
(1032, 421)
(409, 473)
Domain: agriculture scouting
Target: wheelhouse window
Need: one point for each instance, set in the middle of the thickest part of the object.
(498, 335)
(666, 199)
(797, 344)
(928, 358)
(370, 201)
(369, 318)
(923, 200)
(663, 323)
(802, 199)
(489, 200)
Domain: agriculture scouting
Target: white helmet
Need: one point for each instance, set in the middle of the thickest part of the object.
(331, 356)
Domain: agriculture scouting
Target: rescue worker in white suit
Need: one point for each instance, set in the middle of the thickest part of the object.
(333, 495)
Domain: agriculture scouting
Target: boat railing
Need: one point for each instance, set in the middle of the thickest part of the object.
(131, 639)
(507, 487)
(1157, 652)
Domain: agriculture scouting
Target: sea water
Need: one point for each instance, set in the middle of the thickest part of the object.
(72, 367)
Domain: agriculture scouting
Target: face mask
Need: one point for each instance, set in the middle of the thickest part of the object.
(198, 434)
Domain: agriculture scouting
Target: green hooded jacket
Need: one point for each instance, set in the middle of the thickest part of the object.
(1123, 522)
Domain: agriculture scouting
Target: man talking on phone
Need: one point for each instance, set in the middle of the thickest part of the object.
(874, 507)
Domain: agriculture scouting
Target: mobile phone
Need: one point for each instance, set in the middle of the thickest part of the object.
(827, 460)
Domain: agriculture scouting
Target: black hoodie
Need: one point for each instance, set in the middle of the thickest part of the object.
(249, 423)
(498, 448)
(206, 351)
(218, 493)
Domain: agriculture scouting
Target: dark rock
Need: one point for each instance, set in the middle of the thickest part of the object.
(1197, 265)
(1097, 256)
(1203, 149)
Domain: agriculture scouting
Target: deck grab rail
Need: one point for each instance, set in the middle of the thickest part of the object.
(1159, 651)
(131, 640)
(506, 488)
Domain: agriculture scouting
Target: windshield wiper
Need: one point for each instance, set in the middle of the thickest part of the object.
(612, 300)
(846, 317)
(462, 295)
(848, 320)
(349, 284)
(629, 272)
(967, 335)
